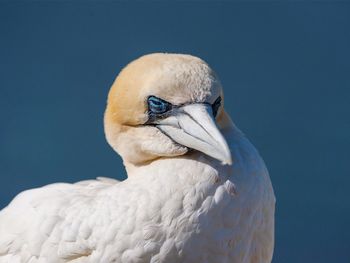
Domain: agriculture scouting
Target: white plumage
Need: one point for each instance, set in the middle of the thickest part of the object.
(183, 201)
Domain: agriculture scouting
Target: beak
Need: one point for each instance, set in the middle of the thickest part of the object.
(194, 126)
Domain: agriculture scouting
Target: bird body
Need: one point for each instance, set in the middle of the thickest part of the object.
(185, 206)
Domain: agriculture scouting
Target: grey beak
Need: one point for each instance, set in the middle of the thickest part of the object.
(194, 126)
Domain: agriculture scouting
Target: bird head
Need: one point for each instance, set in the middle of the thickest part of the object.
(166, 105)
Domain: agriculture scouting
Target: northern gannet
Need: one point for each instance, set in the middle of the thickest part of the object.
(197, 189)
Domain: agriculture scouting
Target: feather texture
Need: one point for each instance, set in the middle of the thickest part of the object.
(173, 210)
(178, 203)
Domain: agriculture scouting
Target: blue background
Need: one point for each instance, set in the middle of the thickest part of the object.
(285, 68)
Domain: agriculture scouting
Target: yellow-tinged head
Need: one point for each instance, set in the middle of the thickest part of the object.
(162, 105)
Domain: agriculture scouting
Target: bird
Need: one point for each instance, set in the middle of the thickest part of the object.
(197, 190)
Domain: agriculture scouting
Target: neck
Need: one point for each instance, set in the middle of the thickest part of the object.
(189, 169)
(194, 165)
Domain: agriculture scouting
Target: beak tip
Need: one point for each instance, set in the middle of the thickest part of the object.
(227, 161)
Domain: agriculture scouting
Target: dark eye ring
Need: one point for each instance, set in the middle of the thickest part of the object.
(157, 105)
(216, 105)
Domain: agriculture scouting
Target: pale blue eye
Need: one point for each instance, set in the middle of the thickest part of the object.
(157, 105)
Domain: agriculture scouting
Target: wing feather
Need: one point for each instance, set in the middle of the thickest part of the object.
(38, 220)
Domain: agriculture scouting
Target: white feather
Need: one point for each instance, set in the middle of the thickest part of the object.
(173, 210)
(178, 206)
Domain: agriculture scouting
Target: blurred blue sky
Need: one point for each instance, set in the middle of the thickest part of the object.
(285, 68)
